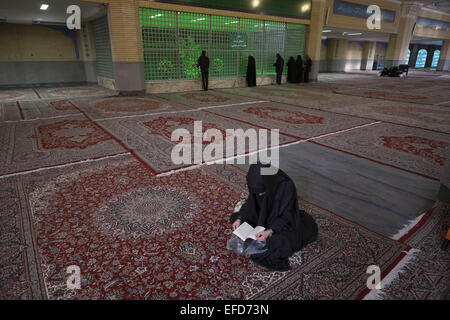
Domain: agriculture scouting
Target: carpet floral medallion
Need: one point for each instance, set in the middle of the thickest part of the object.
(112, 107)
(36, 144)
(420, 151)
(136, 236)
(70, 134)
(11, 95)
(15, 95)
(294, 117)
(203, 99)
(62, 105)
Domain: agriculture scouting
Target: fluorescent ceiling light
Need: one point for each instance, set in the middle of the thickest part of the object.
(305, 7)
(345, 33)
(255, 3)
(326, 30)
(44, 6)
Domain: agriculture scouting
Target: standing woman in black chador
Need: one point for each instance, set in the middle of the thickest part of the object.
(251, 72)
(299, 63)
(308, 64)
(292, 70)
(272, 203)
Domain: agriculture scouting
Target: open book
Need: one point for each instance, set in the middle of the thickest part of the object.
(245, 231)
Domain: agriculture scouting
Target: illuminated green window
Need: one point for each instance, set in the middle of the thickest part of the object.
(173, 41)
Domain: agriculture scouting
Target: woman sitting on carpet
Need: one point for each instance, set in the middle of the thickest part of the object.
(272, 203)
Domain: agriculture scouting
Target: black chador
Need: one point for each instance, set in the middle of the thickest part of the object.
(292, 70)
(308, 65)
(277, 209)
(299, 63)
(251, 72)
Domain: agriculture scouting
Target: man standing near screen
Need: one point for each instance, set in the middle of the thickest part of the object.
(279, 64)
(203, 63)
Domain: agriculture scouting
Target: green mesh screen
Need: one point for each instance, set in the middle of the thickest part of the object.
(173, 41)
(103, 48)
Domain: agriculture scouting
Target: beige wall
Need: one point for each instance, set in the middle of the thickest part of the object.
(353, 56)
(354, 51)
(34, 55)
(380, 49)
(124, 30)
(35, 43)
(323, 51)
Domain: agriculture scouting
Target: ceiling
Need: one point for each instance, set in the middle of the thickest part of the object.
(27, 11)
(438, 5)
(358, 35)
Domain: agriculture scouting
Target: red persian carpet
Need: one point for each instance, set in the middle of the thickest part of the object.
(149, 136)
(136, 236)
(434, 118)
(45, 108)
(415, 150)
(291, 120)
(297, 95)
(10, 111)
(428, 97)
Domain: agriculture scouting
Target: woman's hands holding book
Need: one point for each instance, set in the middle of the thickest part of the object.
(263, 235)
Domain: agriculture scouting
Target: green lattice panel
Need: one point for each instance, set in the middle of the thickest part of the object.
(173, 41)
